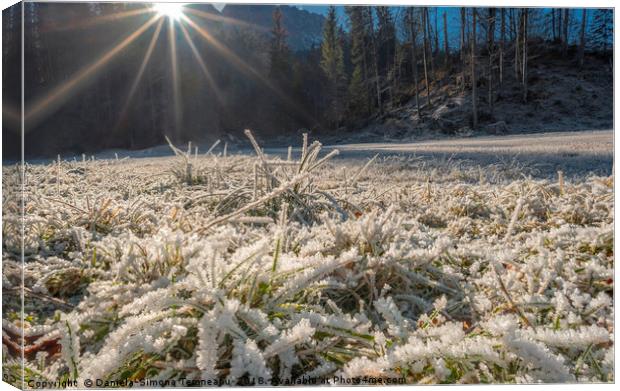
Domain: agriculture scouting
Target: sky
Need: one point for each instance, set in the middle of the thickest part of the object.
(453, 15)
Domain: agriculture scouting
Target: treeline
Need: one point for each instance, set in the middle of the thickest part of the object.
(389, 54)
(232, 75)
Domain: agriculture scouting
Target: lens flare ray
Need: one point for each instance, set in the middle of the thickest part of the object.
(176, 88)
(60, 94)
(242, 66)
(176, 13)
(136, 82)
(90, 22)
(224, 19)
(227, 53)
(202, 64)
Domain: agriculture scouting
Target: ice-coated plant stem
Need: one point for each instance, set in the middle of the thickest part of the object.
(283, 188)
(513, 219)
(304, 146)
(215, 144)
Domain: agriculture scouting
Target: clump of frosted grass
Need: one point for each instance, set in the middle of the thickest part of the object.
(246, 266)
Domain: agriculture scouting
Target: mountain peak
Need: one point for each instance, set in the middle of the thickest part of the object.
(304, 28)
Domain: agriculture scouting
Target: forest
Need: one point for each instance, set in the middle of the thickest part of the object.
(286, 195)
(106, 75)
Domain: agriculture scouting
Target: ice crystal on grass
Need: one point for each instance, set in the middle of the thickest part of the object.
(235, 267)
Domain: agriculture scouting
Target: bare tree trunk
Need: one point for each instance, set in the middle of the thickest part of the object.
(582, 42)
(425, 48)
(436, 33)
(501, 47)
(396, 74)
(525, 17)
(414, 62)
(445, 39)
(430, 45)
(375, 59)
(560, 12)
(463, 34)
(511, 24)
(553, 24)
(517, 38)
(566, 21)
(474, 98)
(463, 49)
(490, 48)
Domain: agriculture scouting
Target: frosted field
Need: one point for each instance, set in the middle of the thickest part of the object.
(470, 267)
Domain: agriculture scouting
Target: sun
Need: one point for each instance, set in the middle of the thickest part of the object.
(171, 10)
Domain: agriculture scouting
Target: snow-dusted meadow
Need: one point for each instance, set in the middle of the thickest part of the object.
(236, 268)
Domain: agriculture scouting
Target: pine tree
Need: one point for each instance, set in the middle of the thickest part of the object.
(525, 13)
(281, 73)
(332, 64)
(553, 34)
(491, 52)
(369, 24)
(474, 97)
(386, 39)
(501, 46)
(602, 32)
(565, 31)
(279, 52)
(358, 94)
(386, 46)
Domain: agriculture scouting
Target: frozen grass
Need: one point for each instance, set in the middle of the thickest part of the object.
(204, 266)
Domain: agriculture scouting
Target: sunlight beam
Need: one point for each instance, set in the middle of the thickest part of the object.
(10, 113)
(90, 22)
(241, 65)
(176, 93)
(225, 19)
(228, 54)
(202, 64)
(136, 82)
(61, 93)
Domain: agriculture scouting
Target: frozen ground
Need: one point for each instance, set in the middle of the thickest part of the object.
(582, 143)
(575, 152)
(460, 261)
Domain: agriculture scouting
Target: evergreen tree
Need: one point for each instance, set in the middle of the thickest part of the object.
(386, 39)
(602, 32)
(279, 53)
(358, 95)
(386, 47)
(332, 64)
(369, 23)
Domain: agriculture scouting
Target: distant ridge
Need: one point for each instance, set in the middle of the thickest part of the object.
(304, 28)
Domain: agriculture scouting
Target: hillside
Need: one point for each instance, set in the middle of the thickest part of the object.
(561, 97)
